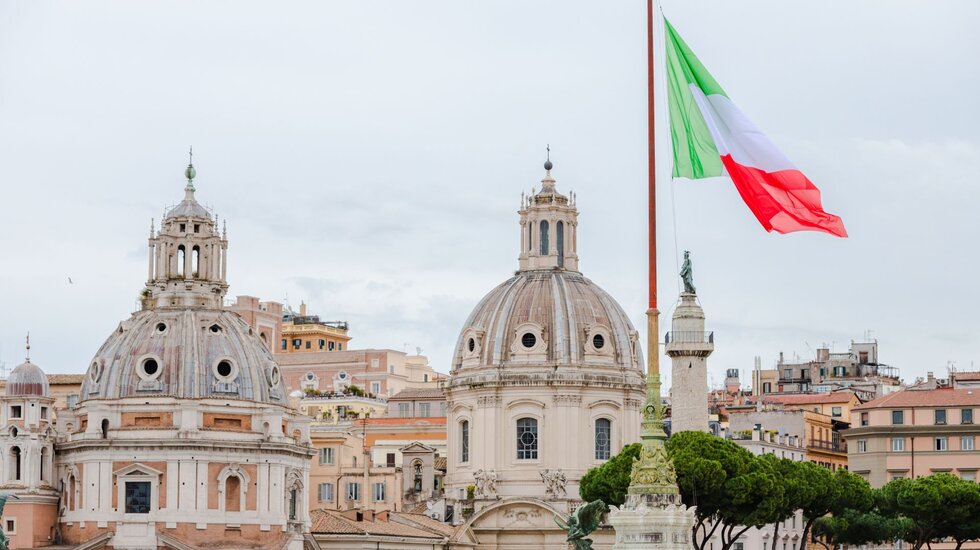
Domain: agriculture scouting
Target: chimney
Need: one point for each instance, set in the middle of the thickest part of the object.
(930, 376)
(302, 309)
(780, 357)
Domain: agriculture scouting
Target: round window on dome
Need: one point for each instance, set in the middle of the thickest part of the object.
(528, 340)
(274, 375)
(95, 372)
(598, 341)
(161, 327)
(150, 367)
(224, 370)
(471, 345)
(215, 328)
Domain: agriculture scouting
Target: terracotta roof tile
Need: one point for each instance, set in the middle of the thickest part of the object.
(812, 398)
(943, 397)
(397, 524)
(418, 393)
(966, 376)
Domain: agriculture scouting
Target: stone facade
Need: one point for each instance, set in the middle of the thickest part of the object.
(546, 383)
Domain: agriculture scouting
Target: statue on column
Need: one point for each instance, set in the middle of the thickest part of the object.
(687, 274)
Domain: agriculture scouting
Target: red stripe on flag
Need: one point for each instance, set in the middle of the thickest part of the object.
(783, 201)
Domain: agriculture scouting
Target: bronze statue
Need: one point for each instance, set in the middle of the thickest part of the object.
(583, 521)
(687, 275)
(3, 501)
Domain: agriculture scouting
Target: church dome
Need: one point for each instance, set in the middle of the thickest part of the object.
(548, 317)
(548, 314)
(184, 353)
(27, 380)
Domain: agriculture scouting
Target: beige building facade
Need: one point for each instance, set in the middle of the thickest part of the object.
(916, 433)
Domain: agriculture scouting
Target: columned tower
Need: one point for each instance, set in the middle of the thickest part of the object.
(689, 346)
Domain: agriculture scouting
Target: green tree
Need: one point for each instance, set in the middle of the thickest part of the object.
(834, 492)
(797, 491)
(935, 507)
(610, 481)
(857, 528)
(731, 489)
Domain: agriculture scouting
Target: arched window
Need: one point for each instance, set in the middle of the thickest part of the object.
(14, 464)
(464, 429)
(530, 232)
(195, 261)
(105, 428)
(180, 261)
(233, 494)
(544, 237)
(417, 472)
(603, 439)
(560, 243)
(527, 439)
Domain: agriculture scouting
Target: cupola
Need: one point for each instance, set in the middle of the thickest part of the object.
(549, 221)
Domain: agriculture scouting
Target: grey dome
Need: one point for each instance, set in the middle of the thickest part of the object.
(572, 322)
(189, 208)
(27, 380)
(185, 353)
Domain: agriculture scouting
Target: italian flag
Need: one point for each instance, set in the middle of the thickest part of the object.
(711, 136)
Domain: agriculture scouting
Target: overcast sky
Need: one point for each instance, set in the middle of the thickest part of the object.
(369, 158)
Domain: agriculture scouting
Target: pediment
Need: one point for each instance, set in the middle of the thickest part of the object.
(416, 447)
(137, 469)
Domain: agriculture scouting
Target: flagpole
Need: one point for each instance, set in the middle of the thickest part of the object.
(652, 479)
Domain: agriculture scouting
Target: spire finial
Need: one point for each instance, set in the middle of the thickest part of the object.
(547, 162)
(190, 172)
(28, 347)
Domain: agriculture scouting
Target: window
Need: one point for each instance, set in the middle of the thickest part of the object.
(767, 387)
(327, 455)
(425, 377)
(560, 243)
(787, 373)
(417, 473)
(325, 492)
(309, 344)
(527, 439)
(403, 410)
(862, 446)
(898, 475)
(283, 343)
(353, 491)
(320, 343)
(942, 443)
(330, 346)
(966, 416)
(835, 412)
(864, 419)
(898, 417)
(898, 444)
(16, 411)
(137, 497)
(544, 238)
(378, 491)
(442, 408)
(968, 476)
(376, 387)
(603, 435)
(966, 443)
(940, 416)
(528, 340)
(72, 400)
(293, 498)
(424, 410)
(464, 438)
(44, 413)
(10, 527)
(297, 343)
(390, 460)
(340, 346)
(598, 341)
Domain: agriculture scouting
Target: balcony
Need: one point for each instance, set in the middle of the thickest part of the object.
(689, 337)
(689, 343)
(827, 446)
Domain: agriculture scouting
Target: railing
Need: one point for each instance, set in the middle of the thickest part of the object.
(342, 397)
(823, 445)
(689, 337)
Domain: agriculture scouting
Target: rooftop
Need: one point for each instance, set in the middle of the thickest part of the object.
(397, 524)
(812, 398)
(942, 397)
(418, 393)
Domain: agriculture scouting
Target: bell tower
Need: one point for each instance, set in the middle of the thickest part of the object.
(187, 257)
(549, 221)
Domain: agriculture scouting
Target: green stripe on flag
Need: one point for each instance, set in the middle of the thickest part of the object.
(695, 154)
